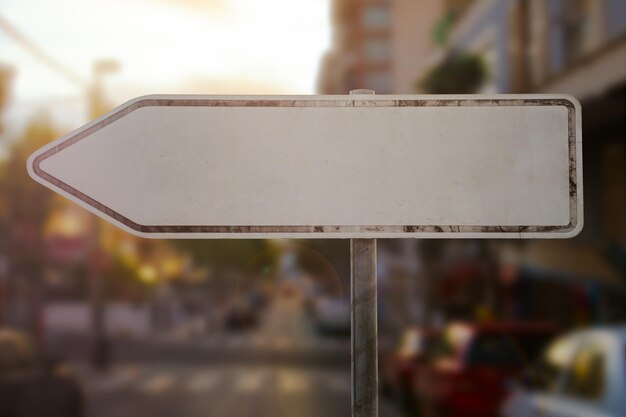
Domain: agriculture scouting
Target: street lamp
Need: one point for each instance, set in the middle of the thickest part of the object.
(97, 102)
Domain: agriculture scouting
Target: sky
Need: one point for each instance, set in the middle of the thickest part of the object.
(164, 46)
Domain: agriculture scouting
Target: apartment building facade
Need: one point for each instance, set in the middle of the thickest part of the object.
(380, 45)
(575, 47)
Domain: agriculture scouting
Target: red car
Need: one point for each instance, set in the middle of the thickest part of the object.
(469, 365)
(397, 367)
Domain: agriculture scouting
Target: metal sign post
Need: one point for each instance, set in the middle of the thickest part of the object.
(364, 315)
(357, 167)
(364, 320)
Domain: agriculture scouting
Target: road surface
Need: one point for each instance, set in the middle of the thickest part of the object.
(281, 369)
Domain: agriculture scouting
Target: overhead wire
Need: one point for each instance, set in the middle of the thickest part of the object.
(42, 56)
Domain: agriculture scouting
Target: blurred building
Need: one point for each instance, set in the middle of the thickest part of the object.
(576, 47)
(361, 53)
(579, 48)
(541, 46)
(384, 45)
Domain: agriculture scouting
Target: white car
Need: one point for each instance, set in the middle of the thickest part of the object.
(332, 316)
(580, 375)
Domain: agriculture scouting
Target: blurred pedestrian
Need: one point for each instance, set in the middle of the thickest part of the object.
(17, 363)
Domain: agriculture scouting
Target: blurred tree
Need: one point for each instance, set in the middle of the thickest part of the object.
(458, 74)
(25, 206)
(123, 282)
(27, 203)
(443, 28)
(6, 76)
(228, 257)
(327, 259)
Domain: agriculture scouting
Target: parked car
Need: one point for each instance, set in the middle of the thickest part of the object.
(582, 374)
(398, 366)
(469, 365)
(332, 316)
(240, 316)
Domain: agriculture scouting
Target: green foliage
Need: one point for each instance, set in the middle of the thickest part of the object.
(222, 254)
(122, 282)
(458, 74)
(23, 200)
(25, 204)
(324, 256)
(6, 76)
(443, 28)
(329, 261)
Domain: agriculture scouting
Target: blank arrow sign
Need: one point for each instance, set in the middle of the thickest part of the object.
(327, 166)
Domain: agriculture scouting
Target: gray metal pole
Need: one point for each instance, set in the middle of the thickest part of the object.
(364, 316)
(364, 319)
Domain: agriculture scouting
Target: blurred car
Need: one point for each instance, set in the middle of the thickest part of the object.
(258, 300)
(332, 316)
(581, 374)
(240, 316)
(469, 365)
(32, 385)
(398, 366)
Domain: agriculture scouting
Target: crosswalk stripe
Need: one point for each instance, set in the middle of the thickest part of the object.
(203, 382)
(260, 341)
(117, 378)
(243, 380)
(157, 384)
(210, 342)
(250, 381)
(336, 381)
(283, 343)
(234, 342)
(292, 382)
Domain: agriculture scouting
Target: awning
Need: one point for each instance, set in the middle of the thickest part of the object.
(562, 258)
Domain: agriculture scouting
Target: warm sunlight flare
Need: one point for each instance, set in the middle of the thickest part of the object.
(167, 46)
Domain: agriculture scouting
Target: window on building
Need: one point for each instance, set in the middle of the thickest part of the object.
(537, 49)
(376, 50)
(614, 190)
(380, 82)
(578, 28)
(518, 47)
(615, 21)
(458, 7)
(376, 17)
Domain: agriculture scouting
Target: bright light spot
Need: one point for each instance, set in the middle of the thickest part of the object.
(293, 382)
(168, 46)
(172, 266)
(250, 381)
(66, 223)
(148, 274)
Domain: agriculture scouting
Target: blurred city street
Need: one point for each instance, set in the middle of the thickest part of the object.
(281, 368)
(97, 322)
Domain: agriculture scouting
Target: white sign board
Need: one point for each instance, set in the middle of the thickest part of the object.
(360, 166)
